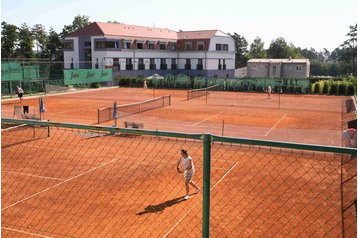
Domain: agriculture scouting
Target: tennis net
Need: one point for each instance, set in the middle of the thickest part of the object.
(195, 93)
(106, 114)
(20, 133)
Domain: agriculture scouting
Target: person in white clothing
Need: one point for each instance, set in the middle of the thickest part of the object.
(269, 90)
(19, 92)
(145, 84)
(188, 169)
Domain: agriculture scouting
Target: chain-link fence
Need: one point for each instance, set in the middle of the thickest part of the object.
(80, 181)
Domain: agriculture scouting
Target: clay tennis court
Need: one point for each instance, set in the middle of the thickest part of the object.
(80, 183)
(311, 119)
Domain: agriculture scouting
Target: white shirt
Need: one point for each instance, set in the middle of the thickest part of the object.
(187, 161)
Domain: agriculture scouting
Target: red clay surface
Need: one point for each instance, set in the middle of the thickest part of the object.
(81, 184)
(310, 119)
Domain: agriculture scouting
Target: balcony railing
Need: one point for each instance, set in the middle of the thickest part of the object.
(152, 67)
(163, 66)
(129, 66)
(141, 66)
(174, 66)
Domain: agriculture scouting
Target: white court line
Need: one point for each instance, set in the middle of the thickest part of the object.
(171, 229)
(31, 175)
(56, 185)
(207, 118)
(29, 233)
(283, 117)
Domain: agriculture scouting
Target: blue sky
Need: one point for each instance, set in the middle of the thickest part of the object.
(305, 23)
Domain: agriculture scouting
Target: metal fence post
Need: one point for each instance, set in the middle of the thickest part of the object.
(206, 184)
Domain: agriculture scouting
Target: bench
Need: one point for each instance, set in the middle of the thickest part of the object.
(134, 125)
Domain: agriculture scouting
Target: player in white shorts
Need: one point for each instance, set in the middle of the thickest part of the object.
(188, 169)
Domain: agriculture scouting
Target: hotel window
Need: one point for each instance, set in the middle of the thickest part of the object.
(274, 70)
(139, 45)
(225, 47)
(200, 45)
(127, 45)
(218, 47)
(188, 61)
(188, 46)
(152, 61)
(200, 61)
(163, 61)
(88, 43)
(162, 46)
(107, 44)
(174, 46)
(151, 46)
(68, 45)
(298, 68)
(128, 61)
(174, 60)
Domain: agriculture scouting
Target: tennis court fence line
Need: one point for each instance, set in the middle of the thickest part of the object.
(249, 187)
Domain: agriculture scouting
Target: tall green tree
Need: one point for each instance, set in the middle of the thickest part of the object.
(350, 48)
(279, 49)
(78, 22)
(241, 50)
(40, 36)
(9, 38)
(257, 50)
(26, 42)
(53, 47)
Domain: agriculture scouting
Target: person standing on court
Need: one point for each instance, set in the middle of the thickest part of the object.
(269, 91)
(19, 92)
(188, 169)
(145, 84)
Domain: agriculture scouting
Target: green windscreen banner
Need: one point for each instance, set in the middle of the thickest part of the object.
(78, 76)
(11, 71)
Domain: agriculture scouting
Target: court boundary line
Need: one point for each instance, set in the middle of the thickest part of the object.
(208, 118)
(29, 233)
(283, 117)
(56, 185)
(180, 220)
(32, 175)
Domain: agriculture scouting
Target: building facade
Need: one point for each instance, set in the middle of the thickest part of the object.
(278, 68)
(142, 51)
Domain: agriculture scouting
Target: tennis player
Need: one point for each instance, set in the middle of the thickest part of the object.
(188, 168)
(19, 92)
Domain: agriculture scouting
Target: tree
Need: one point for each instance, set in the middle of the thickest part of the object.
(9, 37)
(40, 35)
(278, 49)
(25, 42)
(241, 50)
(350, 47)
(53, 48)
(78, 22)
(257, 50)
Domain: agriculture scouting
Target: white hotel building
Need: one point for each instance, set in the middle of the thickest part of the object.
(142, 51)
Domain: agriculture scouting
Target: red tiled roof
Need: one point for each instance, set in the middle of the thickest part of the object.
(196, 34)
(139, 32)
(130, 31)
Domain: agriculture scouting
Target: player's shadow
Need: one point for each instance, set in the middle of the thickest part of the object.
(159, 208)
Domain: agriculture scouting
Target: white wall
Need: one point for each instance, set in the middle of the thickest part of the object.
(222, 40)
(67, 55)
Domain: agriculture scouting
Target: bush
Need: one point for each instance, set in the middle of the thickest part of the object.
(351, 89)
(334, 88)
(317, 87)
(342, 88)
(325, 89)
(95, 85)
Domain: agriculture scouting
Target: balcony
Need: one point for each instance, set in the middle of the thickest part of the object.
(199, 67)
(116, 67)
(174, 66)
(129, 66)
(188, 66)
(163, 66)
(152, 67)
(141, 66)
